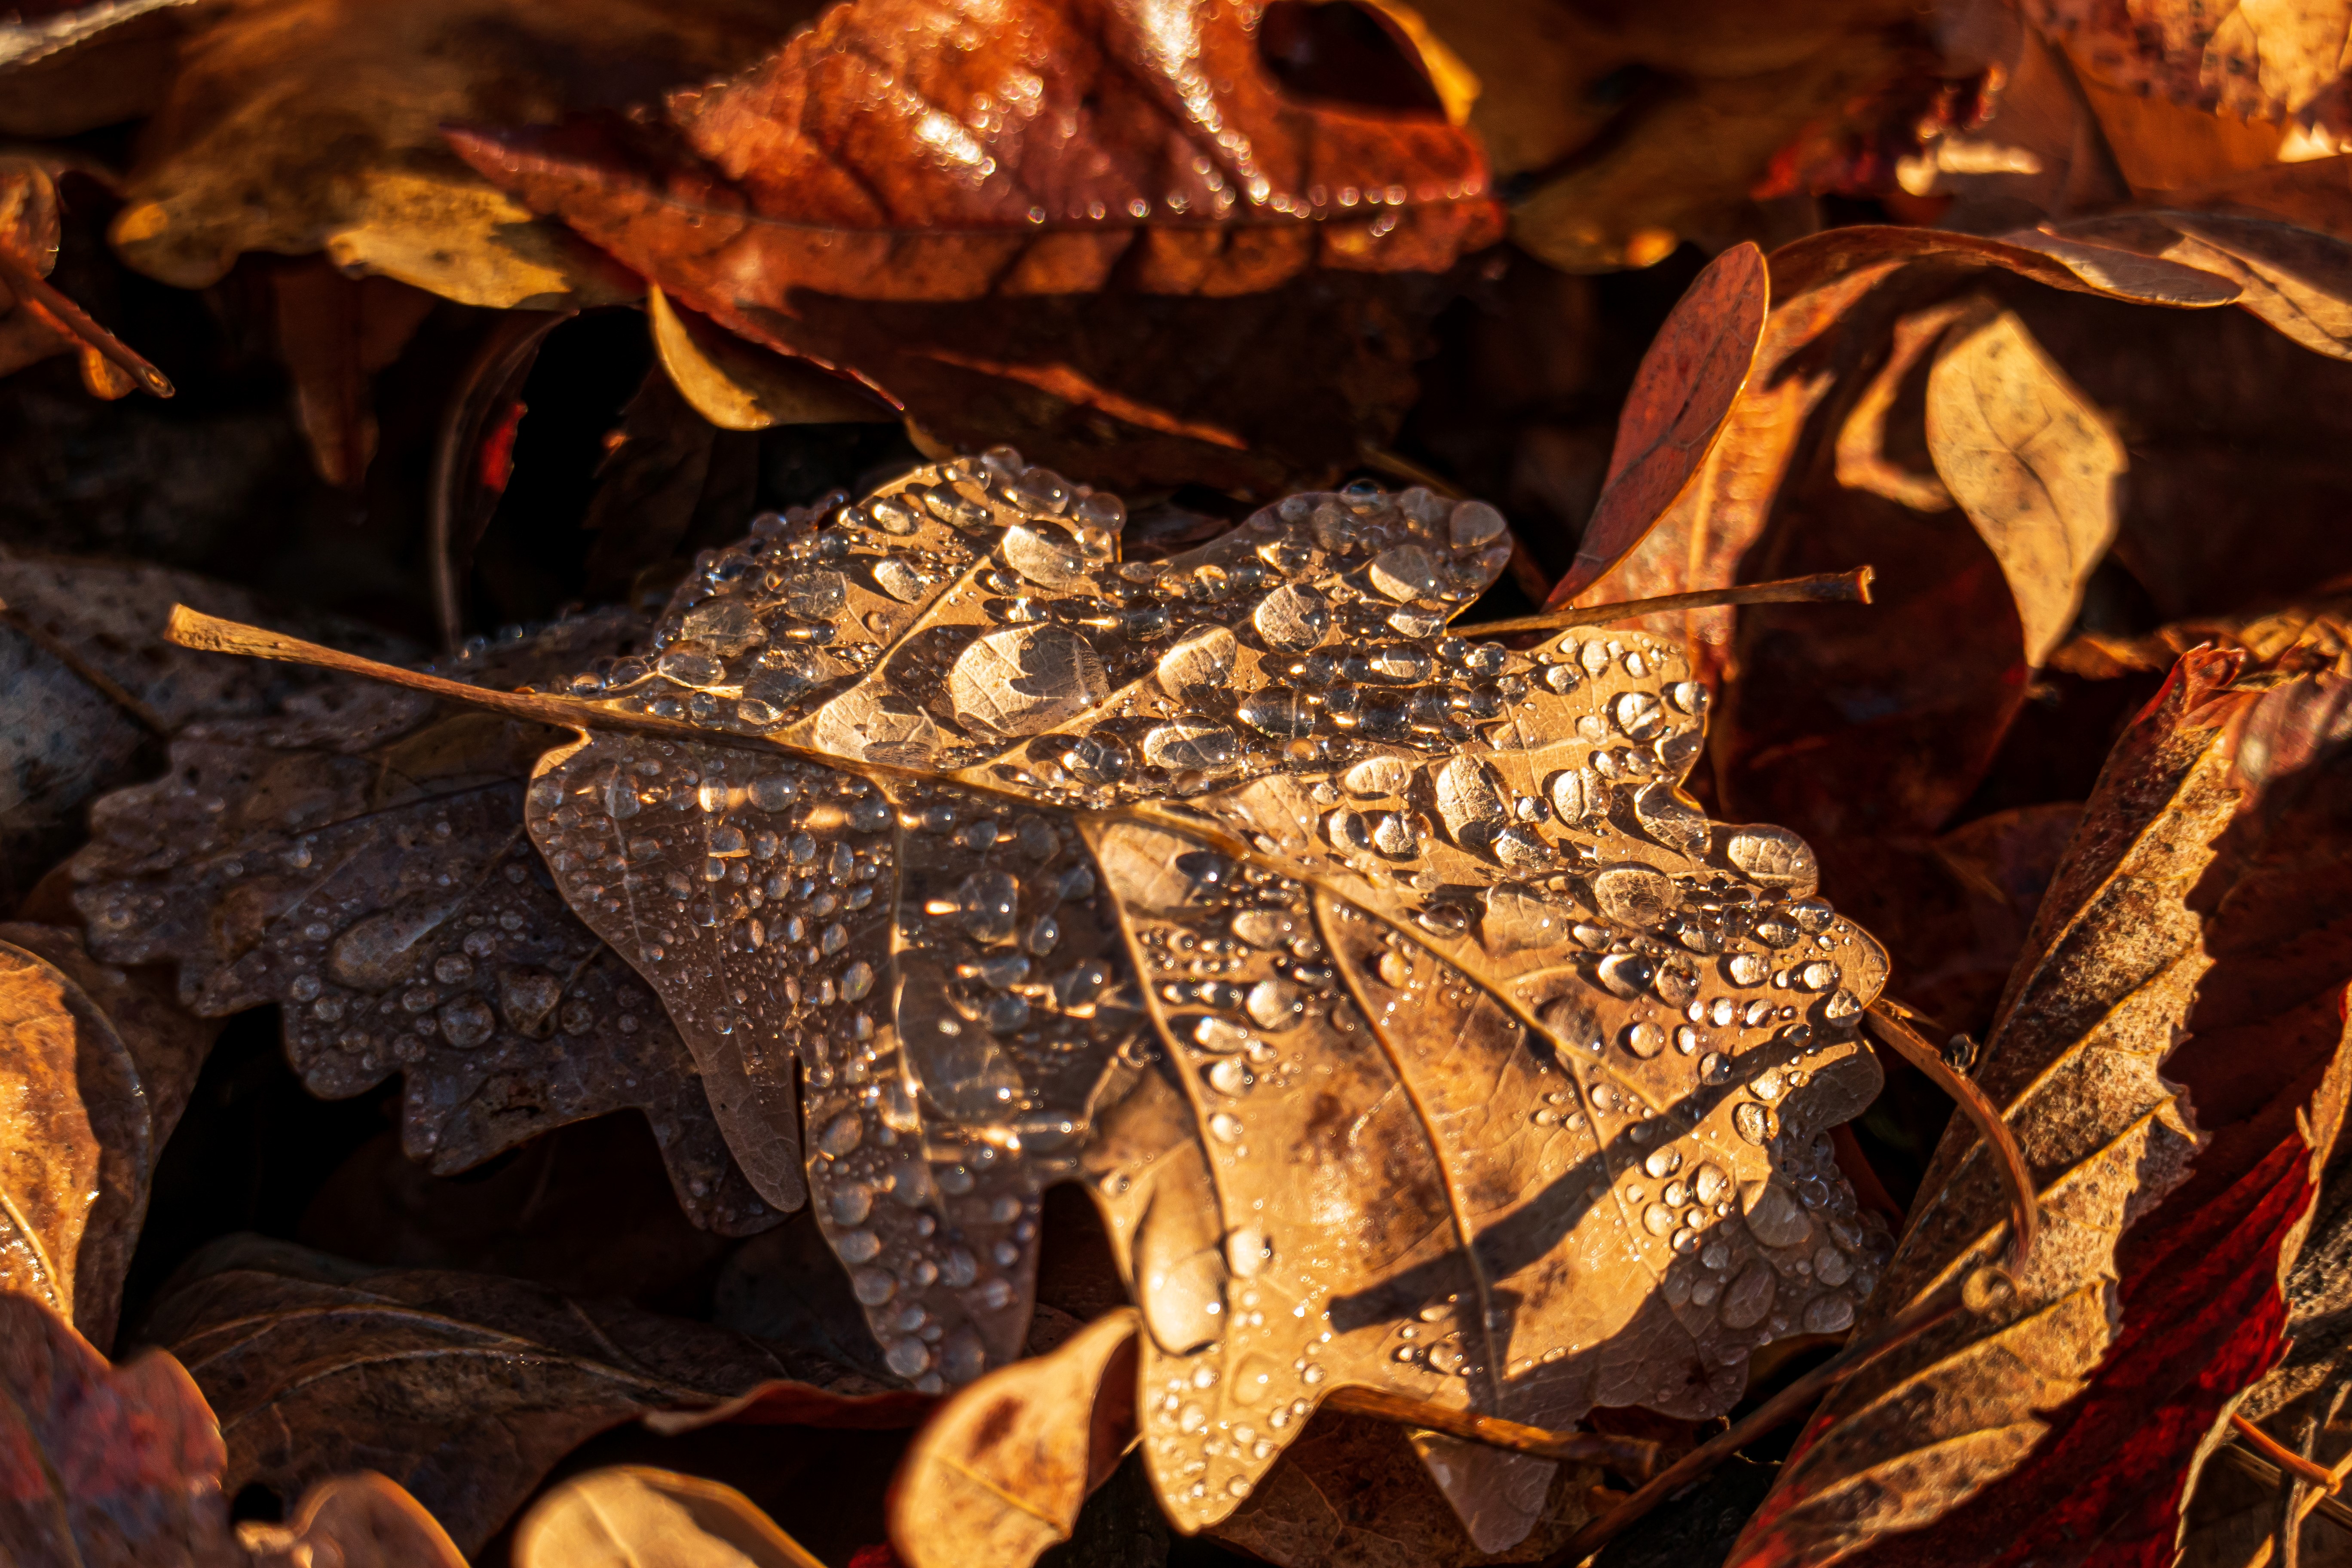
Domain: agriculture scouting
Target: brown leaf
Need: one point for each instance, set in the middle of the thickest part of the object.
(2032, 463)
(2267, 63)
(103, 1467)
(626, 1515)
(1688, 384)
(2296, 279)
(352, 1522)
(1202, 879)
(737, 386)
(333, 335)
(997, 1475)
(2161, 976)
(959, 276)
(464, 1388)
(98, 1067)
(367, 868)
(295, 127)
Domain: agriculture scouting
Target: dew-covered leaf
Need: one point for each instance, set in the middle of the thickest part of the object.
(1410, 1026)
(465, 1388)
(360, 859)
(96, 1070)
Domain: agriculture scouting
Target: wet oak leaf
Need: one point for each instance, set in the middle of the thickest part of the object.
(361, 860)
(2172, 1057)
(464, 1388)
(1075, 266)
(96, 1068)
(1408, 1024)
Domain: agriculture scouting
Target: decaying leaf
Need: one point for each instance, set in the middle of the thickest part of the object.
(102, 1467)
(872, 199)
(96, 1070)
(2172, 1057)
(1043, 866)
(294, 126)
(362, 861)
(627, 1515)
(464, 1388)
(737, 386)
(352, 1522)
(997, 1476)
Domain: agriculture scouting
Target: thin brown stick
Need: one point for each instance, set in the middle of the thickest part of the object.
(23, 281)
(1788, 1404)
(2025, 1206)
(1828, 588)
(2279, 1454)
(2261, 1470)
(1634, 1456)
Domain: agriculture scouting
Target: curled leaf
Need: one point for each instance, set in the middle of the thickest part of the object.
(626, 1515)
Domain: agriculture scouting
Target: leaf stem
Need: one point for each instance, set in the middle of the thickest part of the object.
(2261, 1470)
(28, 284)
(1635, 1457)
(1787, 1405)
(1827, 588)
(2025, 1205)
(2286, 1459)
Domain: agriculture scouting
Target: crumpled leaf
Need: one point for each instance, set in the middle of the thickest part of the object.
(625, 1515)
(870, 199)
(96, 1068)
(361, 860)
(294, 126)
(2258, 62)
(465, 1388)
(2160, 983)
(1134, 873)
(998, 1474)
(102, 1467)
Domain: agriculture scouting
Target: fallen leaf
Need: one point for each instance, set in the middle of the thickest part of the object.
(91, 689)
(2266, 63)
(2192, 916)
(997, 1475)
(464, 1388)
(1110, 950)
(294, 126)
(737, 386)
(98, 1067)
(2030, 460)
(967, 279)
(367, 869)
(103, 1465)
(352, 1522)
(627, 1515)
(333, 335)
(1687, 384)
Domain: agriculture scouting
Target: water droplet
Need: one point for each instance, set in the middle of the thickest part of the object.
(1714, 1067)
(1474, 523)
(467, 1022)
(1226, 1126)
(1748, 1297)
(851, 1204)
(1198, 665)
(1626, 974)
(908, 1357)
(1657, 1219)
(1576, 794)
(1188, 743)
(988, 903)
(1468, 802)
(1045, 555)
(1645, 1039)
(1279, 711)
(1636, 714)
(1817, 975)
(1404, 572)
(1753, 1122)
(1831, 1267)
(872, 1287)
(1293, 617)
(1634, 895)
(1025, 679)
(857, 1246)
(1687, 1040)
(1274, 1005)
(1097, 758)
(1774, 1215)
(1775, 857)
(1827, 1315)
(1664, 1160)
(1747, 968)
(1841, 1003)
(1674, 822)
(843, 1133)
(693, 664)
(1247, 1251)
